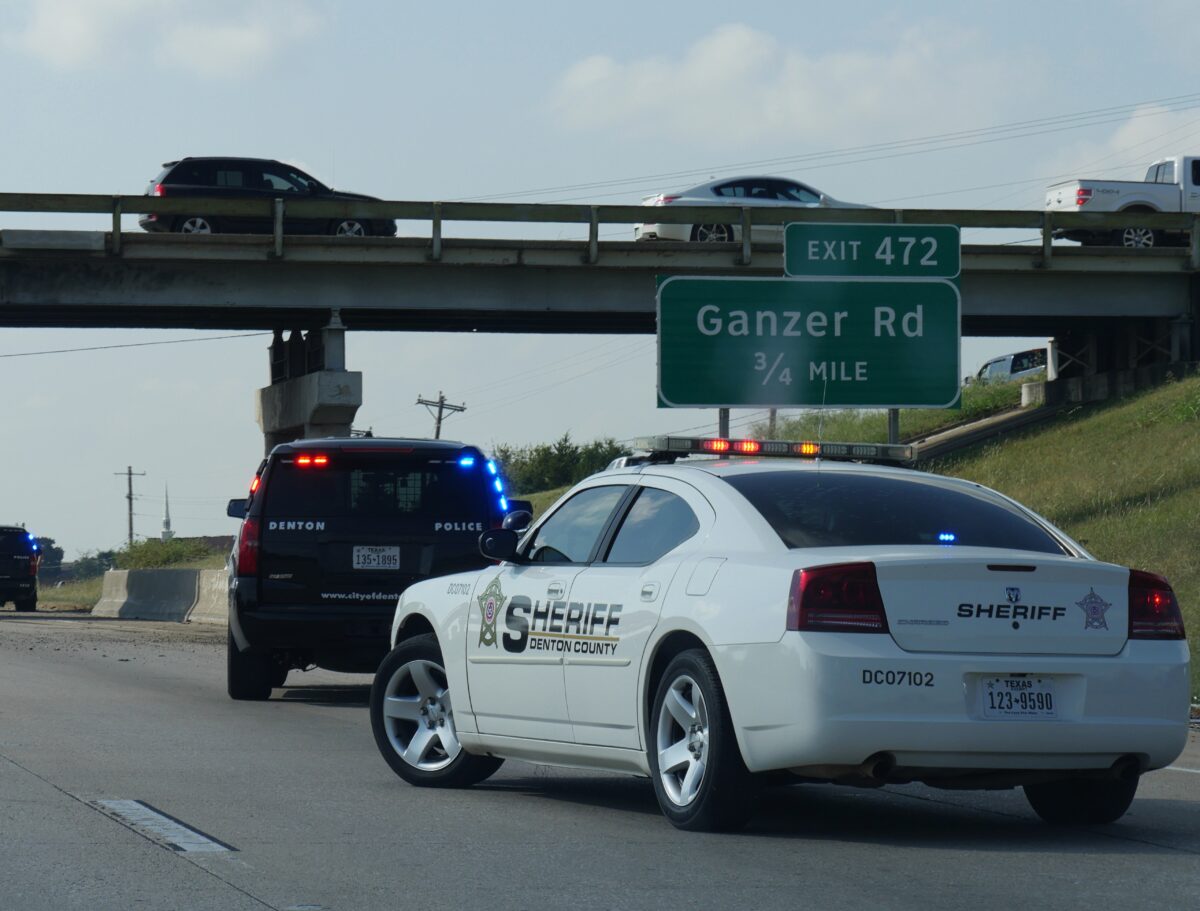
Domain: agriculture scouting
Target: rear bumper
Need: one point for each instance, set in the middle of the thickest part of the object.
(830, 700)
(12, 589)
(357, 633)
(651, 231)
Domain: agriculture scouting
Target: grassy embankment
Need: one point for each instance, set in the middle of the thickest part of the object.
(83, 594)
(1123, 478)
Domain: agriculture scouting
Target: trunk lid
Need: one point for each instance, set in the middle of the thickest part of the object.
(997, 602)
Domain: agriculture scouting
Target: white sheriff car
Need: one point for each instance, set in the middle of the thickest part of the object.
(706, 622)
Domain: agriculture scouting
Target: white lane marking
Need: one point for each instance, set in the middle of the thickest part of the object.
(1179, 768)
(159, 827)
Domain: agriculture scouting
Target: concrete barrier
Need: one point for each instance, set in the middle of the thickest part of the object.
(148, 594)
(212, 598)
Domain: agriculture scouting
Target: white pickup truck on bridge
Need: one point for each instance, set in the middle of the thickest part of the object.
(1171, 185)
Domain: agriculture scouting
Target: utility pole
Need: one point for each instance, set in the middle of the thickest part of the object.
(129, 473)
(771, 424)
(442, 405)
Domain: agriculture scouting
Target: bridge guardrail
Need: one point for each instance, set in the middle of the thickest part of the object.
(593, 216)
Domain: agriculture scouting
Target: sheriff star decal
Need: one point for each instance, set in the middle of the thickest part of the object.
(1093, 607)
(490, 603)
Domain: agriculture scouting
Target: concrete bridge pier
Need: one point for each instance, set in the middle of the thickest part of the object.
(312, 394)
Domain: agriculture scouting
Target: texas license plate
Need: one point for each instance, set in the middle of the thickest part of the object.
(1018, 697)
(371, 556)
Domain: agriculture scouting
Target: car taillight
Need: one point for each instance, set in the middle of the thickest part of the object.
(33, 564)
(665, 200)
(1153, 609)
(248, 546)
(159, 190)
(1082, 195)
(842, 598)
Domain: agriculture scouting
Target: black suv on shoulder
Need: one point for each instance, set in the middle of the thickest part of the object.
(251, 178)
(18, 567)
(334, 530)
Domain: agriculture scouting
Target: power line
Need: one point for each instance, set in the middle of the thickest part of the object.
(936, 142)
(174, 341)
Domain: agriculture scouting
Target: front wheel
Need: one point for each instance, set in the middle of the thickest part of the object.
(195, 224)
(699, 777)
(413, 719)
(1081, 801)
(350, 227)
(712, 234)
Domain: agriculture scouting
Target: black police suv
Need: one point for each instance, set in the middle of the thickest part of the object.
(333, 531)
(251, 178)
(18, 567)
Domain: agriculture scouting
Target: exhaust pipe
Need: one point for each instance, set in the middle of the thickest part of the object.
(1128, 768)
(878, 767)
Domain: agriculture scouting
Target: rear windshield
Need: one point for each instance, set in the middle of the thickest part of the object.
(378, 485)
(15, 542)
(838, 509)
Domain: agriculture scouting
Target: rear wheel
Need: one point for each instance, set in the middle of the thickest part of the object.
(413, 719)
(1081, 801)
(195, 224)
(249, 673)
(27, 605)
(699, 777)
(714, 234)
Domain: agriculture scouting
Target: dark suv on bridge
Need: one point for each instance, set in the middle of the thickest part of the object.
(18, 567)
(333, 531)
(251, 178)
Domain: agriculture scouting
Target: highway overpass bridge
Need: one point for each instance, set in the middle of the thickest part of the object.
(1110, 307)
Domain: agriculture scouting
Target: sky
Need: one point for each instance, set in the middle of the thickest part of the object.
(525, 101)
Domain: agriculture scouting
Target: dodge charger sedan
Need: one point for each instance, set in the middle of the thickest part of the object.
(738, 192)
(721, 624)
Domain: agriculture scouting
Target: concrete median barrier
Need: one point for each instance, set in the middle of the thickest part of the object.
(212, 598)
(148, 594)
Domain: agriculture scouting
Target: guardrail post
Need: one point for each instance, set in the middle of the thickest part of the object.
(745, 260)
(593, 253)
(278, 205)
(1047, 238)
(1195, 242)
(898, 214)
(116, 226)
(435, 237)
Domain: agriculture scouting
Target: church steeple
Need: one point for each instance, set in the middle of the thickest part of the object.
(167, 534)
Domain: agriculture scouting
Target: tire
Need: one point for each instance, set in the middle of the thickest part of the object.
(27, 605)
(1136, 238)
(1081, 801)
(350, 227)
(705, 786)
(413, 720)
(249, 673)
(195, 224)
(277, 674)
(712, 234)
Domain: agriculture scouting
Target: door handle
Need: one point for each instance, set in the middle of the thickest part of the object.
(649, 591)
(555, 590)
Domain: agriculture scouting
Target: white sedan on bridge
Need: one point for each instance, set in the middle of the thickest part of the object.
(722, 623)
(772, 192)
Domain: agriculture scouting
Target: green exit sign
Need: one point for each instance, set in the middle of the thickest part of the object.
(795, 343)
(871, 251)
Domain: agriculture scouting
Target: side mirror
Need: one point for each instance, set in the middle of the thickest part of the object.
(236, 509)
(518, 520)
(499, 544)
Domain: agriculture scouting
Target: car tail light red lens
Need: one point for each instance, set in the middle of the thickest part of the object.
(159, 190)
(665, 200)
(1153, 609)
(254, 484)
(1082, 195)
(248, 547)
(843, 598)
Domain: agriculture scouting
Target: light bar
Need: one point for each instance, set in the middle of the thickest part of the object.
(805, 449)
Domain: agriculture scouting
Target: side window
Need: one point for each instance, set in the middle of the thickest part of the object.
(795, 192)
(998, 368)
(1166, 172)
(275, 181)
(192, 174)
(1196, 172)
(230, 177)
(737, 190)
(571, 533)
(658, 523)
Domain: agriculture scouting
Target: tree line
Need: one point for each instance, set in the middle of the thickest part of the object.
(545, 466)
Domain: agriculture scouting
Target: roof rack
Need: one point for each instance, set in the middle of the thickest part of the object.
(669, 448)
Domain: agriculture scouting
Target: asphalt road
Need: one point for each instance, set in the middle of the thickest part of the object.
(94, 710)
